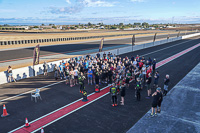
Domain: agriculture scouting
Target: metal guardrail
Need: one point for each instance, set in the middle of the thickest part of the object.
(15, 42)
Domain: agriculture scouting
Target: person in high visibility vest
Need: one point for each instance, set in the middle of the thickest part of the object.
(81, 82)
(113, 92)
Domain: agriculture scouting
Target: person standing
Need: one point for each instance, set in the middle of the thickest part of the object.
(90, 74)
(113, 92)
(123, 93)
(110, 74)
(156, 78)
(61, 69)
(81, 82)
(76, 76)
(71, 73)
(56, 72)
(98, 55)
(154, 65)
(45, 68)
(97, 74)
(156, 96)
(166, 84)
(138, 89)
(148, 81)
(10, 74)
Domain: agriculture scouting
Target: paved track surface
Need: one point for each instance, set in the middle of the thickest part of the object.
(98, 116)
(46, 50)
(176, 117)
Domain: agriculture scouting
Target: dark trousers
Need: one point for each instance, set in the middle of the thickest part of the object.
(138, 96)
(165, 92)
(110, 79)
(82, 87)
(114, 99)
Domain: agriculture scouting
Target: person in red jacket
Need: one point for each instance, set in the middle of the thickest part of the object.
(149, 70)
(140, 64)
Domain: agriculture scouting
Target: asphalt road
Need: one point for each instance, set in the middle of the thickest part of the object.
(46, 50)
(98, 116)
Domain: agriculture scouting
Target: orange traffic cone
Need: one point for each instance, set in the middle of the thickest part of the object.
(42, 130)
(4, 111)
(26, 123)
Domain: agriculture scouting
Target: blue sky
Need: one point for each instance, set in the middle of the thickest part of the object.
(95, 11)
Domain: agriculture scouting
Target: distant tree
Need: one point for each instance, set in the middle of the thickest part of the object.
(72, 28)
(145, 25)
(54, 27)
(89, 24)
(6, 25)
(137, 24)
(113, 27)
(42, 24)
(35, 27)
(121, 24)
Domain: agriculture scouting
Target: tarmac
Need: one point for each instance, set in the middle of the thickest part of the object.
(21, 57)
(180, 111)
(98, 116)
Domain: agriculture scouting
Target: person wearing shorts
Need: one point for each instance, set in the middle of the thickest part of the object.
(10, 74)
(156, 96)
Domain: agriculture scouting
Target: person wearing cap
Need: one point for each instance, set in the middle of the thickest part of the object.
(156, 96)
(113, 92)
(123, 93)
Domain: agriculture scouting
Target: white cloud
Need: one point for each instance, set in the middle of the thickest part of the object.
(68, 1)
(137, 0)
(97, 3)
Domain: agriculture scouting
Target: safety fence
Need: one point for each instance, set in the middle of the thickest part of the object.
(31, 71)
(55, 39)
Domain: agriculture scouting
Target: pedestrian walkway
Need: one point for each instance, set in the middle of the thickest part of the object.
(180, 111)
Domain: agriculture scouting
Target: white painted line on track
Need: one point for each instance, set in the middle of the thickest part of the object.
(166, 47)
(30, 91)
(91, 101)
(62, 108)
(63, 81)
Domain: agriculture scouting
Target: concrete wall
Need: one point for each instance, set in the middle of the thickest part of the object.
(26, 72)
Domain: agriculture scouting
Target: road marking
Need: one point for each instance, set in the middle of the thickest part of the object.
(65, 51)
(167, 47)
(141, 55)
(78, 104)
(29, 91)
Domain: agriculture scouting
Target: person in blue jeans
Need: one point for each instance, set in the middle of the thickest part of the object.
(61, 69)
(90, 73)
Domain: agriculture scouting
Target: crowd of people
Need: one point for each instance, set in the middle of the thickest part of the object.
(115, 71)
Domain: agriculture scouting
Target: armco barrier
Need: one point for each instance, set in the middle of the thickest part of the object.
(26, 72)
(191, 35)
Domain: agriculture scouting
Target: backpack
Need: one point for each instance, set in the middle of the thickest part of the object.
(113, 91)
